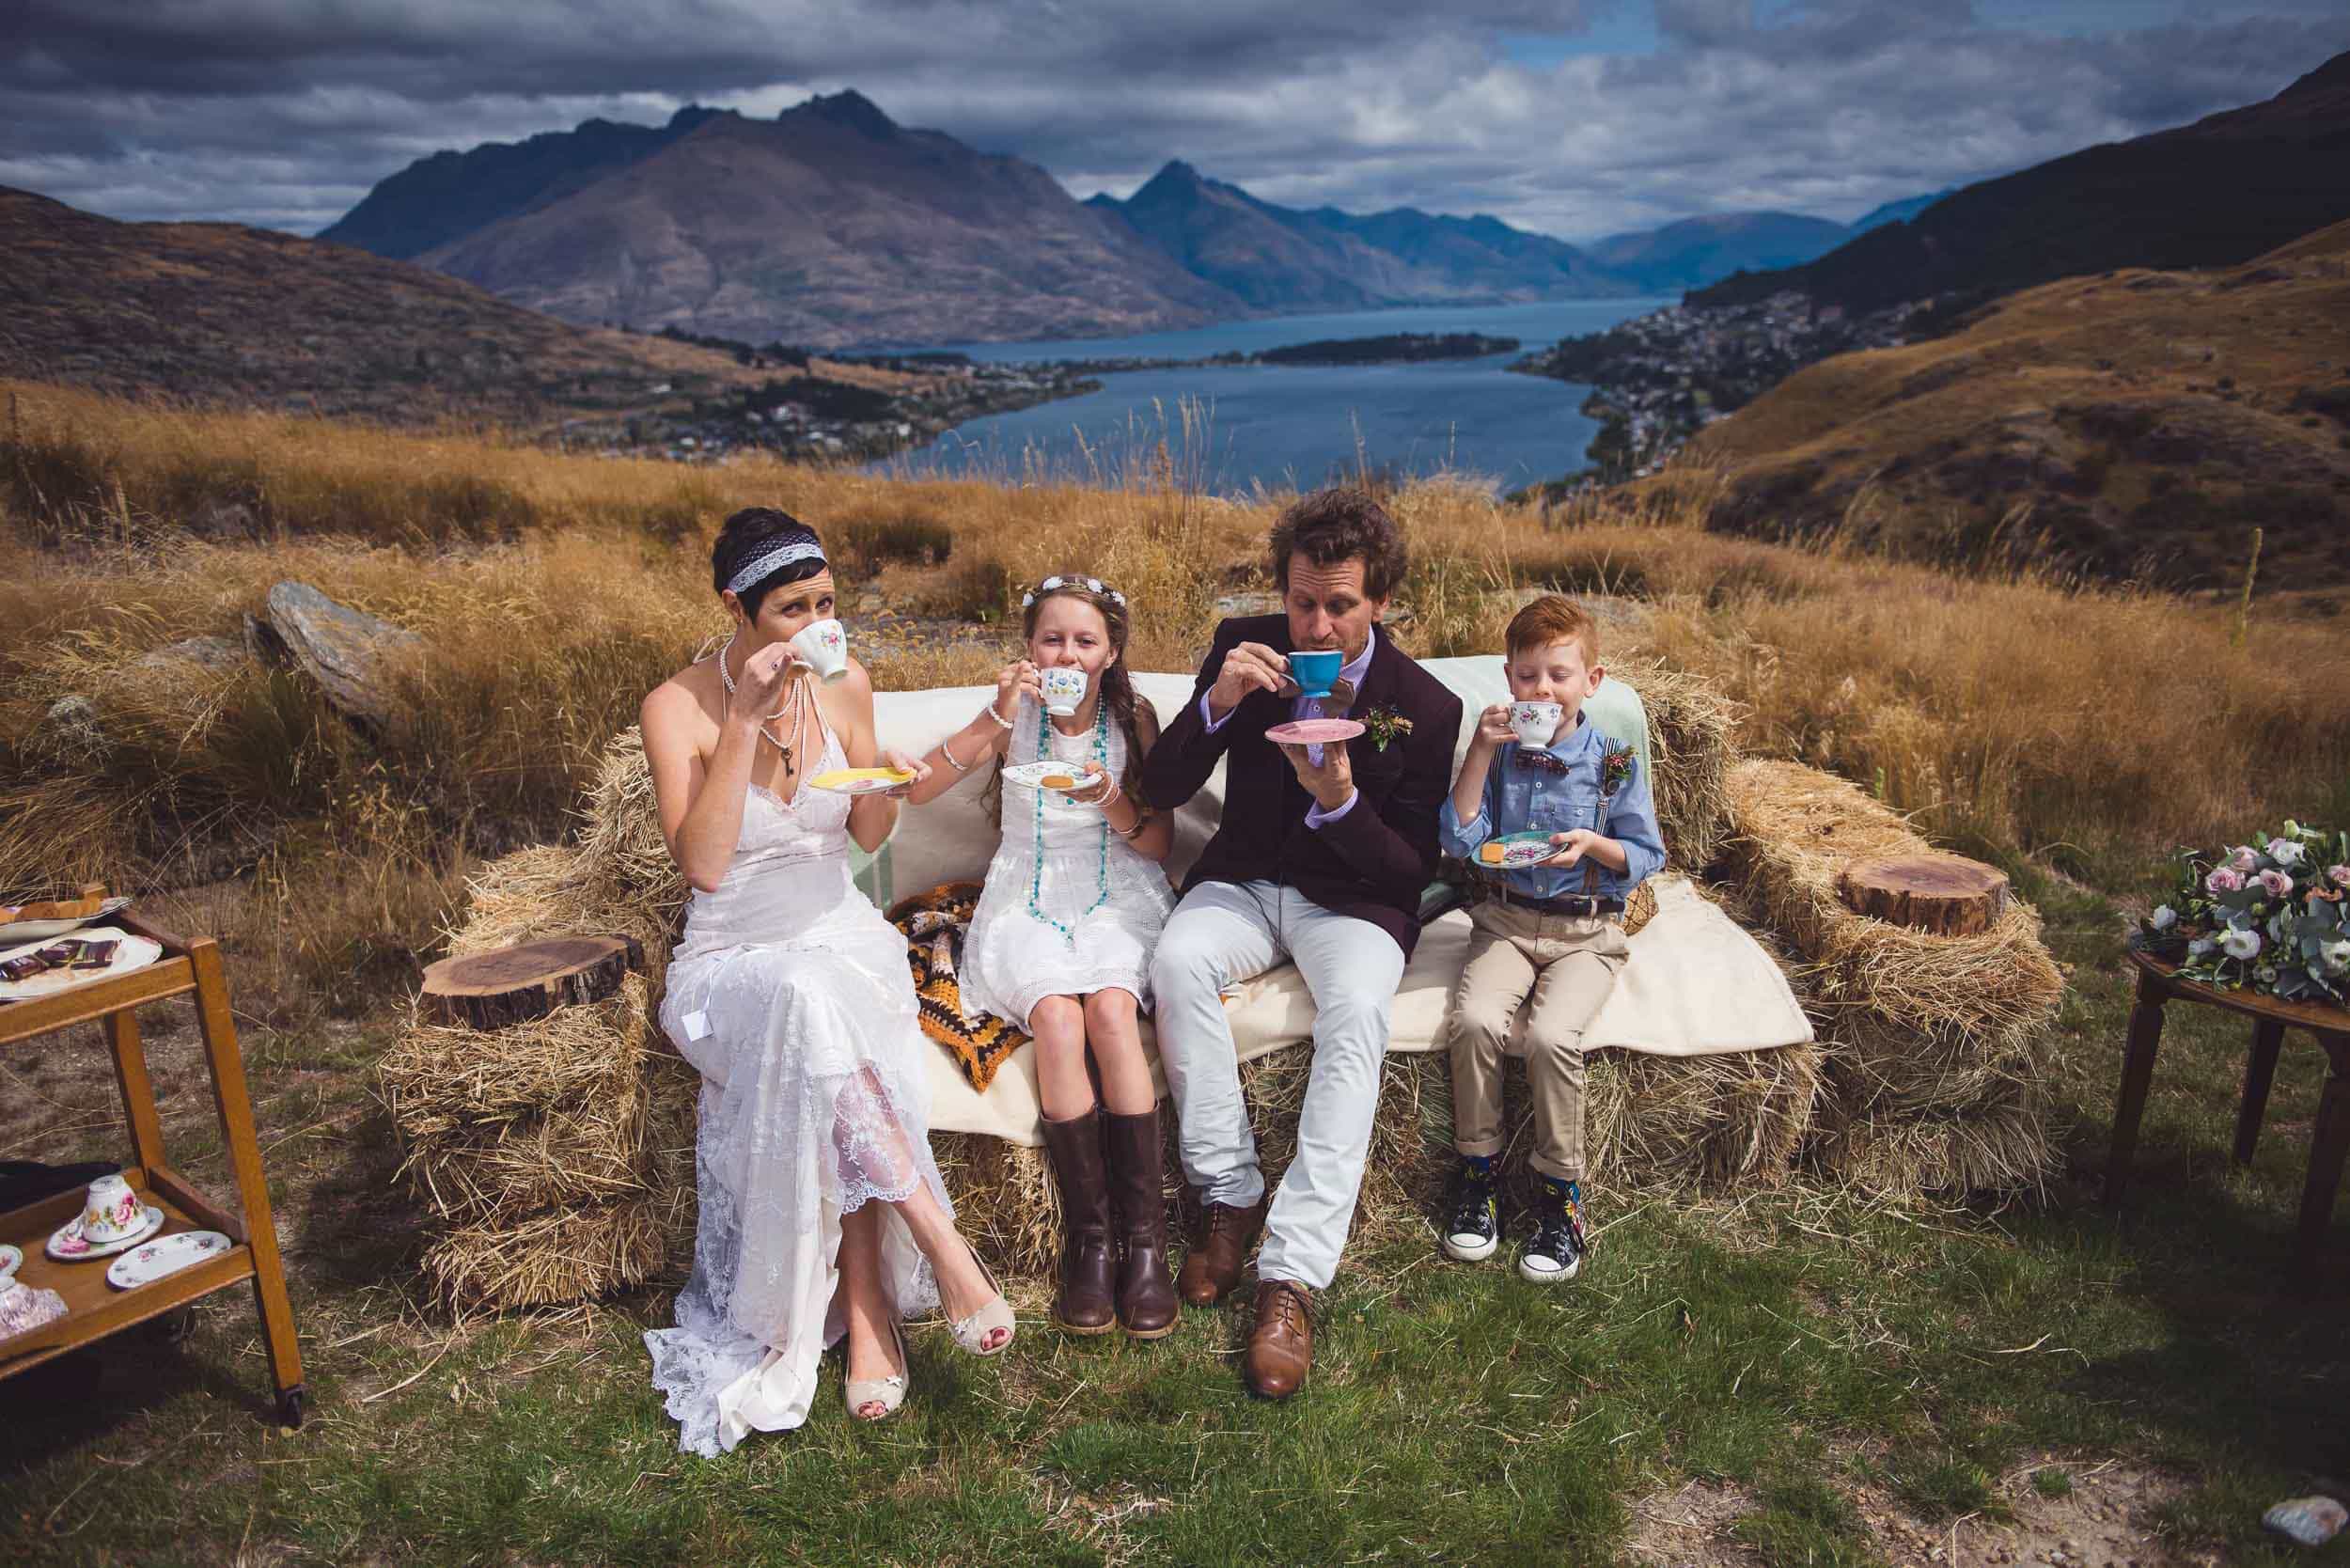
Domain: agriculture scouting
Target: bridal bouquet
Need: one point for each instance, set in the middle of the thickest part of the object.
(2269, 916)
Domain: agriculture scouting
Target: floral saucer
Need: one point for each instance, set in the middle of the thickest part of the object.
(10, 1261)
(168, 1255)
(1513, 850)
(68, 1247)
(1048, 774)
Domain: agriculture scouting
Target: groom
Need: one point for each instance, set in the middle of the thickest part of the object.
(1322, 856)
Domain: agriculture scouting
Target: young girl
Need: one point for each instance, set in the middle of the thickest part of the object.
(821, 1213)
(1061, 941)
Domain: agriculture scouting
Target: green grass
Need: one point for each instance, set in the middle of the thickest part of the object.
(1808, 1347)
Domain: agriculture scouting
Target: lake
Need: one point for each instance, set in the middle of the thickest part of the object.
(1235, 428)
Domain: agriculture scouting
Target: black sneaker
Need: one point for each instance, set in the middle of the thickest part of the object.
(1555, 1251)
(1472, 1228)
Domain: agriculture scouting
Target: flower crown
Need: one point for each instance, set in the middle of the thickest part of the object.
(1091, 585)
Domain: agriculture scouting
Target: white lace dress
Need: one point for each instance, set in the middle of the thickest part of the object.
(791, 994)
(1097, 910)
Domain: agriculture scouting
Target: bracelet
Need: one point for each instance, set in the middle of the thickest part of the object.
(959, 767)
(1142, 820)
(1001, 722)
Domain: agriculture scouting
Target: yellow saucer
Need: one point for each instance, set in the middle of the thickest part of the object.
(860, 781)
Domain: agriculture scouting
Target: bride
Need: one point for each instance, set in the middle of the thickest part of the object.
(821, 1213)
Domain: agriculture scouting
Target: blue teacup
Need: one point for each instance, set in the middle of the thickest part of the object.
(1314, 669)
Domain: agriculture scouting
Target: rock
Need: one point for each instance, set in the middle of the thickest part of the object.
(216, 654)
(350, 654)
(69, 732)
(2312, 1521)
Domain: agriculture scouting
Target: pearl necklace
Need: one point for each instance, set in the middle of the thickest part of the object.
(1036, 864)
(791, 704)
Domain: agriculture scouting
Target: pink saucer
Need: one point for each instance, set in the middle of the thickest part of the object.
(1313, 731)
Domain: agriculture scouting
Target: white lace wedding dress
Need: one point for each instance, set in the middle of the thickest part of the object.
(1098, 906)
(791, 994)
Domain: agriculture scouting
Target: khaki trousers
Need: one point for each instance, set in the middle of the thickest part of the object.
(1532, 983)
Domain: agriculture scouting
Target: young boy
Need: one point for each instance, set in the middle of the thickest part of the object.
(1549, 937)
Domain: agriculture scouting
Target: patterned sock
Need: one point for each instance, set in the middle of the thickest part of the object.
(1478, 1167)
(1570, 1193)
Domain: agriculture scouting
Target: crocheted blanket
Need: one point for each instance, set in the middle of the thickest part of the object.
(935, 923)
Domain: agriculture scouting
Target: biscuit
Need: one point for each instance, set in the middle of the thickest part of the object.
(1057, 782)
(1490, 854)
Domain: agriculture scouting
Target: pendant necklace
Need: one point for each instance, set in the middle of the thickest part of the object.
(790, 703)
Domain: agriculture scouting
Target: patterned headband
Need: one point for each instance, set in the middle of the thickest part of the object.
(1091, 585)
(767, 562)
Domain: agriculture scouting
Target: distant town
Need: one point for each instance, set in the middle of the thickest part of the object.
(1657, 380)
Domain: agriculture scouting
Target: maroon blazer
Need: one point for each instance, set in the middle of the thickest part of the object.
(1374, 862)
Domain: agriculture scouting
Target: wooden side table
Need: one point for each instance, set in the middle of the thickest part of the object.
(2159, 983)
(93, 1308)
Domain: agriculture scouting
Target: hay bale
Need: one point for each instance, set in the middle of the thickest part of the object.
(548, 1111)
(1997, 1144)
(438, 1077)
(619, 837)
(1795, 828)
(554, 890)
(552, 1257)
(1691, 748)
(1739, 1118)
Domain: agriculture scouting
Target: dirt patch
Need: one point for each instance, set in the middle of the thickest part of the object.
(2102, 1515)
(2061, 1512)
(1691, 1528)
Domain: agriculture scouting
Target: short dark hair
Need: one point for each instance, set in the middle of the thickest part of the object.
(746, 535)
(1338, 525)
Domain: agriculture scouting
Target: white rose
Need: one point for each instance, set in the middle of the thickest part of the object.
(2163, 918)
(2285, 852)
(2337, 954)
(2240, 944)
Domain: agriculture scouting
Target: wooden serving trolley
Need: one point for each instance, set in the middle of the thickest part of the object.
(93, 1308)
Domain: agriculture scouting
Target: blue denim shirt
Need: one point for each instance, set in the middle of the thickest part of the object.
(1519, 798)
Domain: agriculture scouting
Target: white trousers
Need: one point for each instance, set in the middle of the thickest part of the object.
(1221, 935)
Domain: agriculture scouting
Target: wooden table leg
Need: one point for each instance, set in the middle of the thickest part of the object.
(244, 1155)
(2259, 1071)
(139, 1091)
(2138, 1071)
(2327, 1153)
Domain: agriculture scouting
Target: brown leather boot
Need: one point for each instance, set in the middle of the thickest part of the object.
(1281, 1345)
(1146, 1307)
(1220, 1249)
(1085, 1303)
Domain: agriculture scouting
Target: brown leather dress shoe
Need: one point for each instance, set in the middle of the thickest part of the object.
(1220, 1249)
(1281, 1345)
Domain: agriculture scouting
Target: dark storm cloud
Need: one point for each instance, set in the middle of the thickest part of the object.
(285, 111)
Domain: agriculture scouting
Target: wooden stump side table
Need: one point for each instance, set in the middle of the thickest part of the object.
(2158, 983)
(93, 1308)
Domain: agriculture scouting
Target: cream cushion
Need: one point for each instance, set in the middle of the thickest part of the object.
(1696, 983)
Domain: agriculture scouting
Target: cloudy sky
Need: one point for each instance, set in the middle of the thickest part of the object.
(1576, 117)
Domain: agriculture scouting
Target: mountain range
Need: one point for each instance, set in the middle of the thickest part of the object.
(219, 313)
(2215, 192)
(833, 224)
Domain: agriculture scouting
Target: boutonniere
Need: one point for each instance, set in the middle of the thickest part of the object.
(1615, 769)
(1384, 723)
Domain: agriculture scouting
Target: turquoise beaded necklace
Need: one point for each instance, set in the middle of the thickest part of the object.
(1102, 873)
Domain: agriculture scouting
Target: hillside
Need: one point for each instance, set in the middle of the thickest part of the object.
(1697, 251)
(829, 225)
(2131, 423)
(2215, 192)
(1286, 259)
(217, 313)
